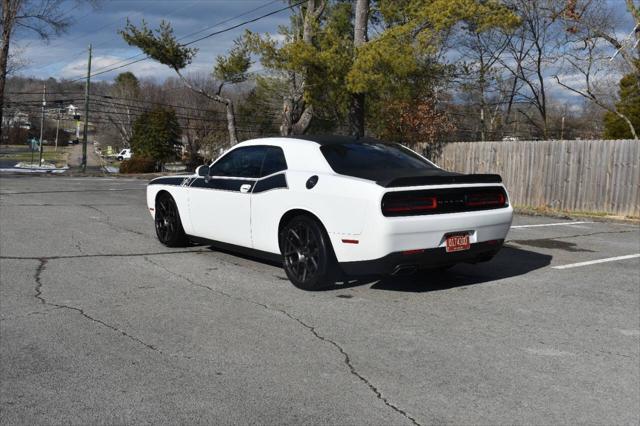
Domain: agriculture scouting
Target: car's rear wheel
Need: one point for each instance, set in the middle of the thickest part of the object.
(308, 258)
(167, 220)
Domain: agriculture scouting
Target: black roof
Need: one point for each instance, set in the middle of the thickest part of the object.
(390, 178)
(334, 139)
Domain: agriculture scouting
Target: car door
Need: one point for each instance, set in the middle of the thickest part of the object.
(220, 204)
(268, 198)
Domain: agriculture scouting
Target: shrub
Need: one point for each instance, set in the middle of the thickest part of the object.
(138, 165)
(193, 161)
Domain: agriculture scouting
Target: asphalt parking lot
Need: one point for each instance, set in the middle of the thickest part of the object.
(100, 323)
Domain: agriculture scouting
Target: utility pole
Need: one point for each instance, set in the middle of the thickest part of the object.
(482, 136)
(44, 103)
(562, 129)
(57, 130)
(86, 114)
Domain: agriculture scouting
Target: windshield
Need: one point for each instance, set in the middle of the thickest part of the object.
(362, 159)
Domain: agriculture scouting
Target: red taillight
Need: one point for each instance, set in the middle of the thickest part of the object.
(485, 199)
(442, 200)
(410, 252)
(410, 205)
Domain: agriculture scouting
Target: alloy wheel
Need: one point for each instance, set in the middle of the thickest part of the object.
(301, 252)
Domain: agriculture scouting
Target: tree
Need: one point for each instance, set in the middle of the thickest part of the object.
(417, 124)
(120, 112)
(156, 135)
(622, 122)
(357, 109)
(404, 64)
(588, 23)
(162, 46)
(482, 80)
(399, 56)
(530, 53)
(44, 17)
(295, 62)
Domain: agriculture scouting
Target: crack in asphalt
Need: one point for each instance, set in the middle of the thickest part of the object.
(65, 191)
(38, 295)
(108, 221)
(347, 359)
(82, 256)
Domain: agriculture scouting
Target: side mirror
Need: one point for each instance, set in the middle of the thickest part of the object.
(202, 171)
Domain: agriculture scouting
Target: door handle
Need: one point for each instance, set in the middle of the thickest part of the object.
(245, 188)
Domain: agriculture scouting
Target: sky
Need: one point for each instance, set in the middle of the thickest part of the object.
(65, 56)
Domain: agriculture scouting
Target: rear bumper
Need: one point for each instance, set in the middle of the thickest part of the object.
(430, 258)
(383, 235)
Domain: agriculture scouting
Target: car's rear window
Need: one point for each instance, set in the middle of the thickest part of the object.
(362, 159)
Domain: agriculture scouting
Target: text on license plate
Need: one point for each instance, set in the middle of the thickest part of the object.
(457, 243)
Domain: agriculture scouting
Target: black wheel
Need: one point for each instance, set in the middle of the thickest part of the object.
(120, 158)
(308, 258)
(168, 225)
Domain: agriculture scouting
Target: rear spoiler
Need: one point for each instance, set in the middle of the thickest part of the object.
(439, 180)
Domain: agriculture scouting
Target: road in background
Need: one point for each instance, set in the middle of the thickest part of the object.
(94, 162)
(101, 323)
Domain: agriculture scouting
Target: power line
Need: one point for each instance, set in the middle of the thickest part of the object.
(246, 22)
(194, 33)
(109, 101)
(233, 27)
(97, 30)
(157, 103)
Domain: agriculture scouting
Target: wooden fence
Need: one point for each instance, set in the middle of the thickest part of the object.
(601, 176)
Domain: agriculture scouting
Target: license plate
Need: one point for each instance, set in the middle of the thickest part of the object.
(458, 243)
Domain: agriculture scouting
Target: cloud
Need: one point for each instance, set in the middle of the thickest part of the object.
(66, 56)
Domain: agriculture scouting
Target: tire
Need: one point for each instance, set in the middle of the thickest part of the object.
(120, 158)
(308, 258)
(167, 222)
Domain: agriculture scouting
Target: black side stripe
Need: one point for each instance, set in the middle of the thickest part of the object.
(222, 184)
(176, 181)
(273, 182)
(263, 185)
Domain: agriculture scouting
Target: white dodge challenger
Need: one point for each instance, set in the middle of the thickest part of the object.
(332, 206)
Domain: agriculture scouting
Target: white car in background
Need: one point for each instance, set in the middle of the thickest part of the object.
(334, 206)
(125, 154)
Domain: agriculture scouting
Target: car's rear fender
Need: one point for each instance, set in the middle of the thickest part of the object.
(342, 205)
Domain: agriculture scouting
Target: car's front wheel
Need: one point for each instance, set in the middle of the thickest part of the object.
(120, 158)
(167, 220)
(308, 258)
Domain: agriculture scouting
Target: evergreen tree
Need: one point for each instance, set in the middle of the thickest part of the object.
(156, 135)
(629, 106)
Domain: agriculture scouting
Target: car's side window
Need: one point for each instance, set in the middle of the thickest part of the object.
(274, 161)
(241, 162)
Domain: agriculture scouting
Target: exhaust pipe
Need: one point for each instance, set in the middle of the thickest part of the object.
(404, 270)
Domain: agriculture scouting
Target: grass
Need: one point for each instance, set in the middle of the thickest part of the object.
(545, 211)
(59, 157)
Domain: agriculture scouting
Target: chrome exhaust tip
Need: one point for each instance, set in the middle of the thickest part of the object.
(404, 270)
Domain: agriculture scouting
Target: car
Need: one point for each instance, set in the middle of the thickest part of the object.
(333, 207)
(125, 154)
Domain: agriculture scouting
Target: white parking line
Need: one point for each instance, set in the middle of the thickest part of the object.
(549, 224)
(593, 262)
